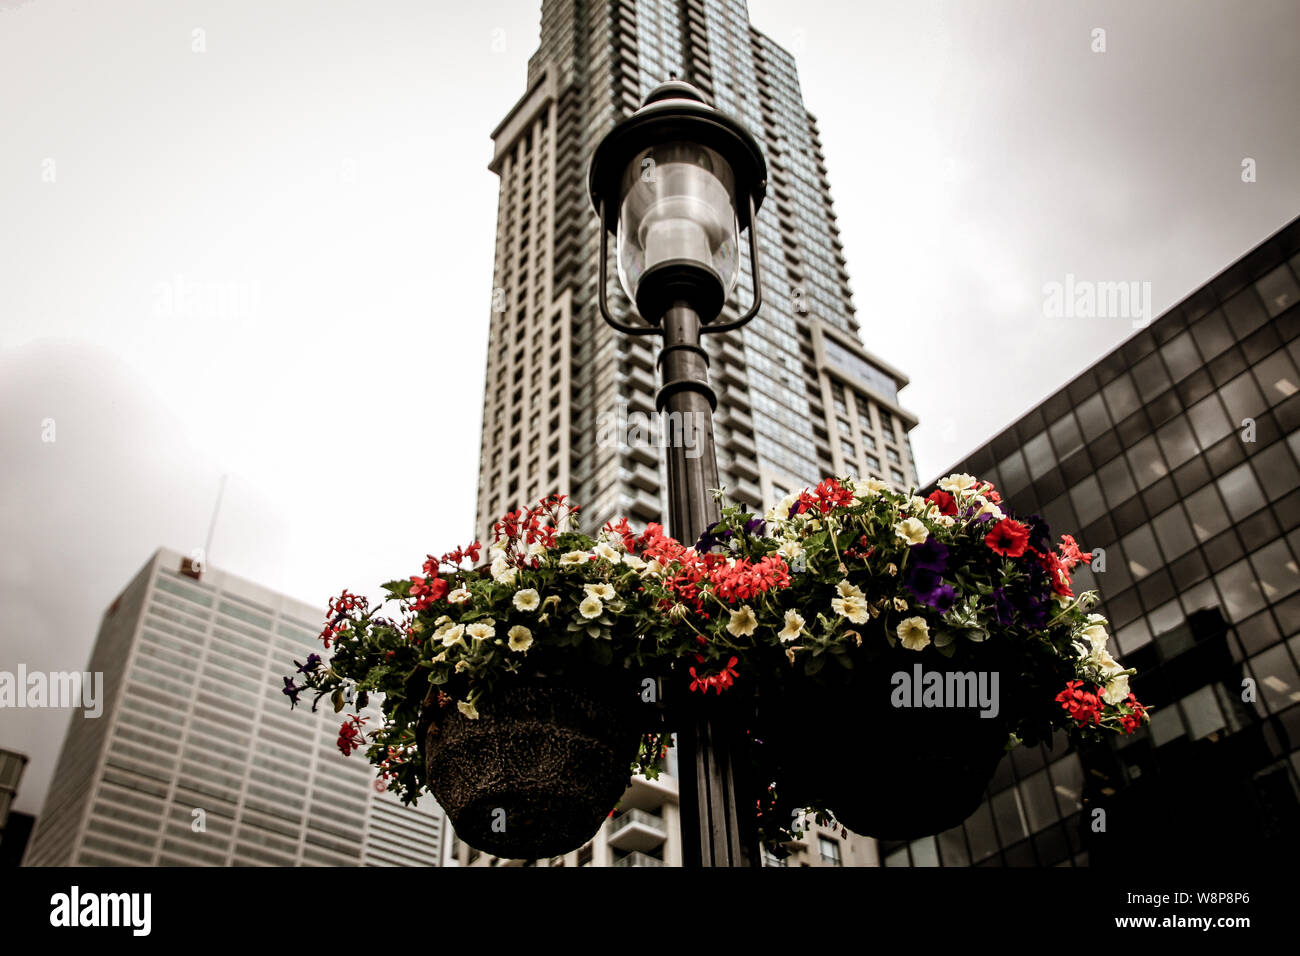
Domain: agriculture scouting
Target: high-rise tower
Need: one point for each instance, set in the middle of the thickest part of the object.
(800, 398)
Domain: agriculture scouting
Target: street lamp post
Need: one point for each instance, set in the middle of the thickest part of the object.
(677, 182)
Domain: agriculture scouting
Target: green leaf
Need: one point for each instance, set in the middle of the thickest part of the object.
(947, 650)
(337, 699)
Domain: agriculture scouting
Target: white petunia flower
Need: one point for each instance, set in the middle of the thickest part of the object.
(845, 589)
(793, 626)
(608, 552)
(957, 483)
(591, 607)
(480, 631)
(790, 550)
(913, 633)
(502, 571)
(468, 709)
(605, 592)
(453, 635)
(1116, 690)
(520, 638)
(458, 596)
(853, 607)
(911, 530)
(573, 557)
(743, 622)
(527, 599)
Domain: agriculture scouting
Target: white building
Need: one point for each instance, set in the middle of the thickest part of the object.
(197, 758)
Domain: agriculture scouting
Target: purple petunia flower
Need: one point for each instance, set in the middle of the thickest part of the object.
(292, 691)
(1006, 612)
(930, 555)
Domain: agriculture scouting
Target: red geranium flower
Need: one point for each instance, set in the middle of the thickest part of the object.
(1083, 707)
(946, 502)
(1008, 538)
(1071, 553)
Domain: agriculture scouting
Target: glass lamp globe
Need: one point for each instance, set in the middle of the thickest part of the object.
(677, 209)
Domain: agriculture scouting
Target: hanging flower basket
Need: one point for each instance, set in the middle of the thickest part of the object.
(517, 690)
(868, 618)
(538, 770)
(871, 751)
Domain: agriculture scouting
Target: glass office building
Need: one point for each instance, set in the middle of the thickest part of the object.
(197, 759)
(1175, 455)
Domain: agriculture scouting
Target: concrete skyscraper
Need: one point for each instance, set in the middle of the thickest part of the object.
(569, 402)
(800, 399)
(196, 758)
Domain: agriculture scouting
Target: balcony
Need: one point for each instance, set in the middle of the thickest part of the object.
(646, 794)
(636, 858)
(637, 830)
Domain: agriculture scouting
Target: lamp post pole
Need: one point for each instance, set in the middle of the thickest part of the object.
(678, 181)
(714, 830)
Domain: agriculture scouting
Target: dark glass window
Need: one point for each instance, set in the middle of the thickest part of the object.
(1279, 291)
(1038, 452)
(1277, 377)
(1067, 781)
(1088, 503)
(924, 852)
(1276, 470)
(1276, 678)
(1144, 457)
(1242, 399)
(1174, 532)
(1007, 812)
(1121, 398)
(1241, 594)
(1209, 421)
(1040, 808)
(1258, 633)
(1200, 597)
(1141, 552)
(1066, 437)
(1207, 512)
(1116, 481)
(1212, 335)
(1176, 442)
(979, 830)
(1241, 492)
(1151, 377)
(1092, 418)
(952, 847)
(1181, 355)
(1014, 476)
(1276, 570)
(1245, 312)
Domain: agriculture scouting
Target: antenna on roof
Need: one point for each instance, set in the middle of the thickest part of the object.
(216, 509)
(197, 562)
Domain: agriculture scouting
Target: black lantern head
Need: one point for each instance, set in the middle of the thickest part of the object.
(677, 182)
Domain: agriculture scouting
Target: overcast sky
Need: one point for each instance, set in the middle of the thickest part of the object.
(265, 250)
